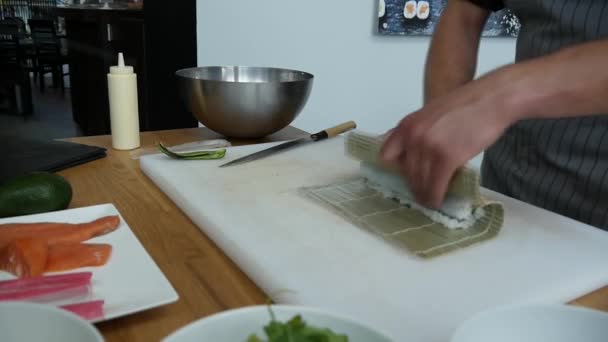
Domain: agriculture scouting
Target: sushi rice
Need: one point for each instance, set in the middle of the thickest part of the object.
(423, 9)
(455, 212)
(381, 8)
(409, 10)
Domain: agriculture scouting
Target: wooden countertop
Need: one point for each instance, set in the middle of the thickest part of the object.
(206, 280)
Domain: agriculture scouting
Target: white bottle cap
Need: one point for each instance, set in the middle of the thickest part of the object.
(121, 68)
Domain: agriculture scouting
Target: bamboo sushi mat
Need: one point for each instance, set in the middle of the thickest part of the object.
(367, 208)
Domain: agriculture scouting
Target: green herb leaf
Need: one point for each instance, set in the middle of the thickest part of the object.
(254, 338)
(296, 330)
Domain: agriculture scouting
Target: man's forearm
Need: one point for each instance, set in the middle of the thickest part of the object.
(571, 82)
(452, 56)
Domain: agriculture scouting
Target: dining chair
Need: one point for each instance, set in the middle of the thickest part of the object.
(15, 26)
(49, 56)
(13, 76)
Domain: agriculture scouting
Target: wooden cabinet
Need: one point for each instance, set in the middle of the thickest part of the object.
(156, 41)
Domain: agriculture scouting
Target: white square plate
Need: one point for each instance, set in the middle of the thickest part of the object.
(131, 281)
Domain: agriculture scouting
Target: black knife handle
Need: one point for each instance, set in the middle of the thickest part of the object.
(334, 131)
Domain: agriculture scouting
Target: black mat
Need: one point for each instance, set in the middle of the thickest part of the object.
(24, 155)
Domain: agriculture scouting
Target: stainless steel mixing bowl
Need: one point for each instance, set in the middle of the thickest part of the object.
(244, 102)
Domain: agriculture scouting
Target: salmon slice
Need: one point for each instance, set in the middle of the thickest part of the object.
(25, 257)
(69, 256)
(55, 232)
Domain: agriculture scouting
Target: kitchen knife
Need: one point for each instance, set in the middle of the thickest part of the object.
(325, 134)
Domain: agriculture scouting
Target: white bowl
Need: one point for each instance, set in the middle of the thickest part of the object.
(20, 321)
(535, 323)
(238, 324)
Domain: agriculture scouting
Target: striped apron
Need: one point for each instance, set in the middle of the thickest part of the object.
(557, 164)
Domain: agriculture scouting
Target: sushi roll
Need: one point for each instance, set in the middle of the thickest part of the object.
(409, 10)
(455, 211)
(381, 8)
(462, 205)
(423, 9)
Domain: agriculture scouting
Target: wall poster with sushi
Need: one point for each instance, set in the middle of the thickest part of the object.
(419, 17)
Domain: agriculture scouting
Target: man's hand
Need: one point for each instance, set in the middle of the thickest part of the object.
(422, 145)
(429, 145)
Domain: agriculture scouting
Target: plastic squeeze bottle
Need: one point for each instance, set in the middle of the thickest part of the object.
(124, 113)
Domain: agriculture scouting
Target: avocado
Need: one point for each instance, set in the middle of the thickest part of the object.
(34, 193)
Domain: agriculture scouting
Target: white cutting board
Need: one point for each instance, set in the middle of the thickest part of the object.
(285, 242)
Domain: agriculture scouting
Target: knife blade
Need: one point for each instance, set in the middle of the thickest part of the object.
(322, 135)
